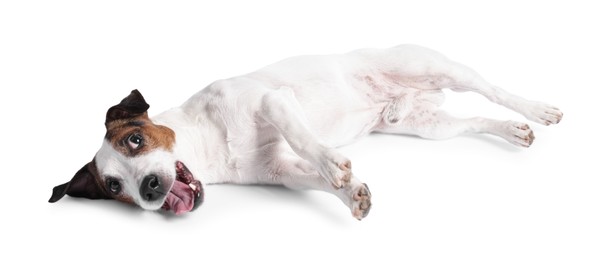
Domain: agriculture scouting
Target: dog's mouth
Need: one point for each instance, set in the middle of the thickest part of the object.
(186, 194)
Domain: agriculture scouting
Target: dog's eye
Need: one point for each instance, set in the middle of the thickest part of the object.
(135, 141)
(114, 186)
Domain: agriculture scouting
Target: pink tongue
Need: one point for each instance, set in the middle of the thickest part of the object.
(181, 198)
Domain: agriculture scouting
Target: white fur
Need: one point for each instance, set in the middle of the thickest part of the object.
(279, 125)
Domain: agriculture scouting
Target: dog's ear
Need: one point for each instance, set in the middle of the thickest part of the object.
(83, 185)
(131, 106)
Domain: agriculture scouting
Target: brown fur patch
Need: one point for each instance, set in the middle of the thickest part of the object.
(154, 136)
(124, 198)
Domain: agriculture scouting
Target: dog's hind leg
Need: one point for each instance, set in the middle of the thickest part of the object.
(437, 124)
(535, 111)
(426, 69)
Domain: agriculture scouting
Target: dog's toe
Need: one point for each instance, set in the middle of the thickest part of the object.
(518, 133)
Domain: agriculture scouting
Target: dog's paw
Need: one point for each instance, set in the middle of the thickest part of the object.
(542, 113)
(361, 202)
(518, 133)
(336, 169)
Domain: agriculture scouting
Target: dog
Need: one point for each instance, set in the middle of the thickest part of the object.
(279, 126)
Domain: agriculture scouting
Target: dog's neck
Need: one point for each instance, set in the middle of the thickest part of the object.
(200, 142)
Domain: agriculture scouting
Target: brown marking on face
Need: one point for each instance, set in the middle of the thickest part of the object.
(154, 136)
(124, 198)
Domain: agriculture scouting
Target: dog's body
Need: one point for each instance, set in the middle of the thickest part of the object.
(278, 126)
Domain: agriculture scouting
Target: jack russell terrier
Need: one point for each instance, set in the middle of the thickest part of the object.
(279, 125)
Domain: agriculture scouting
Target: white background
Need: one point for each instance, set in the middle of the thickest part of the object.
(63, 63)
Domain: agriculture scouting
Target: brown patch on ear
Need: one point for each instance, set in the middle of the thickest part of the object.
(131, 106)
(84, 184)
(113, 126)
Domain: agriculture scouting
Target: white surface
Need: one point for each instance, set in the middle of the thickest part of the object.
(63, 63)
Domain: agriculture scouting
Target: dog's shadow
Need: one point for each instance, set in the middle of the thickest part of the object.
(232, 198)
(305, 199)
(494, 141)
(106, 206)
(488, 139)
(247, 197)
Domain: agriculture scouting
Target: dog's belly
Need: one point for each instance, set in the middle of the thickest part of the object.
(340, 116)
(341, 127)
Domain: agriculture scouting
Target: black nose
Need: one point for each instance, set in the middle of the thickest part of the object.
(151, 188)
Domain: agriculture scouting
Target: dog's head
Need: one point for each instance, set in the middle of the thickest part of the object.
(135, 164)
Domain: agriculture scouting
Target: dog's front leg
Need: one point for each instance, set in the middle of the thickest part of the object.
(277, 163)
(280, 109)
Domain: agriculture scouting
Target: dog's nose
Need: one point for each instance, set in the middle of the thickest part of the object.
(151, 188)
